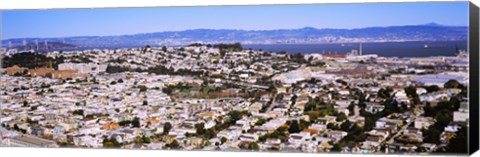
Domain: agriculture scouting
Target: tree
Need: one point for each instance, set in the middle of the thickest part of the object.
(341, 82)
(355, 134)
(313, 116)
(303, 124)
(443, 118)
(173, 145)
(299, 58)
(411, 91)
(428, 110)
(457, 144)
(142, 88)
(420, 150)
(15, 127)
(78, 112)
(279, 97)
(369, 122)
(208, 143)
(235, 115)
(384, 93)
(294, 127)
(200, 128)
(136, 122)
(40, 92)
(452, 84)
(28, 60)
(210, 133)
(432, 135)
(223, 140)
(310, 105)
(345, 126)
(432, 88)
(260, 122)
(351, 108)
(124, 123)
(166, 128)
(341, 117)
(25, 104)
(167, 90)
(146, 139)
(224, 48)
(253, 146)
(337, 147)
(111, 143)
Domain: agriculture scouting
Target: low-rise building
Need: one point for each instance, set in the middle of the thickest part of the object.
(423, 122)
(14, 70)
(84, 68)
(29, 141)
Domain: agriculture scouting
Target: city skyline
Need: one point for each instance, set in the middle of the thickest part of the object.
(123, 21)
(403, 89)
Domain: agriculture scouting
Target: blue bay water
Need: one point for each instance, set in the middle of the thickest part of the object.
(386, 49)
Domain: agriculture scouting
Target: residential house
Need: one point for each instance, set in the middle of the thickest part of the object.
(423, 122)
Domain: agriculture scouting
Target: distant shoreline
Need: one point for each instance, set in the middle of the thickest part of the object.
(386, 49)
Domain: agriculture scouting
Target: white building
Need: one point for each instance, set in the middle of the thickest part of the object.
(423, 122)
(84, 68)
(462, 115)
(28, 141)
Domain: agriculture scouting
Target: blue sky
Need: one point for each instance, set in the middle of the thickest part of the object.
(120, 21)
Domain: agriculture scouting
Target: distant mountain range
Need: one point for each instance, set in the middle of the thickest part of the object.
(426, 32)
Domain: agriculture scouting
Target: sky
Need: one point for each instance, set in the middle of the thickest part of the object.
(122, 21)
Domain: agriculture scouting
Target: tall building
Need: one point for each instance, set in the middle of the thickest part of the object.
(360, 49)
(46, 45)
(36, 43)
(25, 44)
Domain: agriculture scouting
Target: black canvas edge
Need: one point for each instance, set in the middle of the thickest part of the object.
(474, 79)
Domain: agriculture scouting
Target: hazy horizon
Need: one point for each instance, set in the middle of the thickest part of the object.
(422, 24)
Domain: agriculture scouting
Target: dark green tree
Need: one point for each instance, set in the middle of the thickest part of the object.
(142, 88)
(166, 128)
(294, 127)
(432, 135)
(457, 145)
(235, 115)
(337, 147)
(200, 128)
(223, 140)
(136, 122)
(345, 126)
(341, 117)
(253, 146)
(173, 145)
(452, 84)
